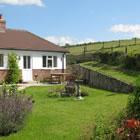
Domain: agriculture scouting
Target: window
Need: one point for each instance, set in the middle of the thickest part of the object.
(55, 61)
(49, 61)
(1, 60)
(44, 61)
(26, 62)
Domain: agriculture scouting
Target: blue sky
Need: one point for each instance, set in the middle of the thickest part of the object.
(74, 21)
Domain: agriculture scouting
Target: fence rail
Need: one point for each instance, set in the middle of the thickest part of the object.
(112, 48)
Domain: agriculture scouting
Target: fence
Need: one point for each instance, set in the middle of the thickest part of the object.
(112, 48)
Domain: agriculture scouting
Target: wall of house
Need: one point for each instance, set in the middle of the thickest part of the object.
(36, 62)
(43, 75)
(36, 58)
(3, 74)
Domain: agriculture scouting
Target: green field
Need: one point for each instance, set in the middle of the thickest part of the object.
(126, 76)
(68, 119)
(93, 47)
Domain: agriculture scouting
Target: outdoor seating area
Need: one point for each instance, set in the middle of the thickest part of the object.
(58, 77)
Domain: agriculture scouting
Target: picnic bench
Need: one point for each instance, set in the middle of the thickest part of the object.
(58, 77)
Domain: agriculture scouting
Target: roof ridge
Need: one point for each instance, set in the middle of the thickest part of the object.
(21, 30)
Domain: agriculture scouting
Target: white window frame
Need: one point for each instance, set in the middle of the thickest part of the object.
(49, 57)
(26, 62)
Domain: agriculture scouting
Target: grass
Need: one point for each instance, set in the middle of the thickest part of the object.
(93, 47)
(66, 118)
(126, 76)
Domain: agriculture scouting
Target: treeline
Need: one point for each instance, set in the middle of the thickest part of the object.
(130, 62)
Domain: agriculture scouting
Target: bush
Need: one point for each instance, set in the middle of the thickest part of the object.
(13, 72)
(129, 62)
(14, 108)
(118, 58)
(129, 120)
(138, 61)
(113, 58)
(133, 108)
(104, 57)
(76, 59)
(132, 62)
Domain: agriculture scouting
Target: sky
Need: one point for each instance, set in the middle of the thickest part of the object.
(74, 21)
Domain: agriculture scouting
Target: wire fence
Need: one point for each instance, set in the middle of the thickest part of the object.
(120, 45)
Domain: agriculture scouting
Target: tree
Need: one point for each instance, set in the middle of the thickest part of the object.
(13, 76)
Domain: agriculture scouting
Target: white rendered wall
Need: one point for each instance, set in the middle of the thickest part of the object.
(36, 58)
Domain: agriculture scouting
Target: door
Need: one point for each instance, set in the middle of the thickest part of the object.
(27, 70)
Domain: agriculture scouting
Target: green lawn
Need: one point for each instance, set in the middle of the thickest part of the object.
(126, 76)
(66, 118)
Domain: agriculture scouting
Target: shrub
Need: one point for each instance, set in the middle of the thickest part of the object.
(138, 61)
(14, 108)
(133, 108)
(71, 59)
(104, 57)
(13, 72)
(113, 58)
(75, 59)
(130, 124)
(129, 62)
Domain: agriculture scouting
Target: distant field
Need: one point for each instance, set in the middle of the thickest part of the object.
(133, 46)
(125, 76)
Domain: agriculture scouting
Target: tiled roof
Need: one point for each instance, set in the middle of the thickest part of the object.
(24, 40)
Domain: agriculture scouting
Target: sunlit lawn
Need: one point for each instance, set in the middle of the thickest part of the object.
(67, 118)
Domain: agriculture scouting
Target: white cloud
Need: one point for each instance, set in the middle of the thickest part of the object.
(22, 2)
(63, 40)
(128, 28)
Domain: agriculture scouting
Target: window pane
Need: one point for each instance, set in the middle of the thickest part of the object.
(49, 56)
(29, 62)
(55, 61)
(44, 61)
(1, 60)
(24, 62)
(49, 63)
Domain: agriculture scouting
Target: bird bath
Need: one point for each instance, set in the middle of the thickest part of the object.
(78, 82)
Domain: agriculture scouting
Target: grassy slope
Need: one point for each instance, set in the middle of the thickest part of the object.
(128, 77)
(65, 119)
(76, 50)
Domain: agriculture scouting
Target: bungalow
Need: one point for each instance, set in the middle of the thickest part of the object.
(37, 56)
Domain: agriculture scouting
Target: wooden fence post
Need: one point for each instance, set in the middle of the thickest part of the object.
(119, 43)
(103, 45)
(111, 49)
(84, 50)
(126, 50)
(135, 39)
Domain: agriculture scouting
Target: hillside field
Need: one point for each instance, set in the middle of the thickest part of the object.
(133, 46)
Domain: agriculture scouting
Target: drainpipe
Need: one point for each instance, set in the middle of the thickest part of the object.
(63, 56)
